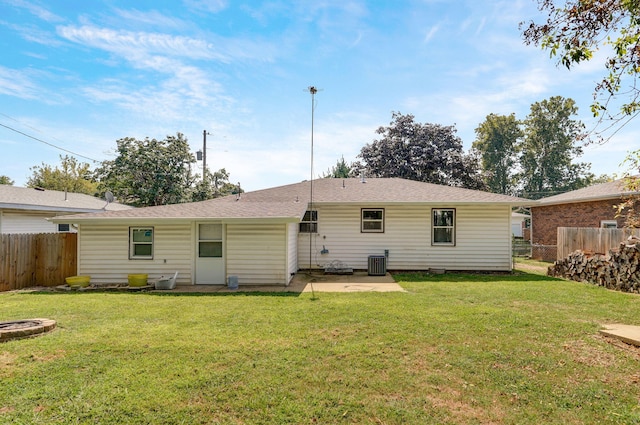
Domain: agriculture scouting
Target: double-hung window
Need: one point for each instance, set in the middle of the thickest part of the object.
(141, 243)
(372, 220)
(309, 223)
(443, 226)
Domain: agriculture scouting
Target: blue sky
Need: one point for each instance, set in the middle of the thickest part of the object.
(81, 74)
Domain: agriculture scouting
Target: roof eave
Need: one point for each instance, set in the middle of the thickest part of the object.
(542, 203)
(28, 207)
(523, 203)
(170, 220)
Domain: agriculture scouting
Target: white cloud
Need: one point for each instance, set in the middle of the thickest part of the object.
(26, 84)
(131, 45)
(188, 95)
(36, 10)
(430, 34)
(149, 18)
(16, 83)
(213, 6)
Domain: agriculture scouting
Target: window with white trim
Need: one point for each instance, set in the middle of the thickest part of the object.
(64, 227)
(372, 220)
(309, 223)
(443, 226)
(141, 243)
(609, 224)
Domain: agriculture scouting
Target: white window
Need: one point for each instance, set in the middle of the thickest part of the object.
(443, 226)
(309, 223)
(64, 227)
(609, 224)
(141, 243)
(210, 240)
(372, 220)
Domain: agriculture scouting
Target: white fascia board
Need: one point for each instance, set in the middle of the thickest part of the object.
(25, 207)
(158, 220)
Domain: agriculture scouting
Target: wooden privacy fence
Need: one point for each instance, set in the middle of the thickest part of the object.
(39, 259)
(591, 239)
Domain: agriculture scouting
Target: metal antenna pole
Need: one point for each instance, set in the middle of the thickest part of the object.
(313, 92)
(204, 155)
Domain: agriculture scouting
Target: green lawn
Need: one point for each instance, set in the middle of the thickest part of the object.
(462, 349)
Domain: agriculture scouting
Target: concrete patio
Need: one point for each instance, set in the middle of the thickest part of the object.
(307, 282)
(630, 334)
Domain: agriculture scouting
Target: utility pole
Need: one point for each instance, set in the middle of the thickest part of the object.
(204, 155)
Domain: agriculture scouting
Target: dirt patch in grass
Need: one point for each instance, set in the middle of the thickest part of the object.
(530, 268)
(463, 407)
(7, 360)
(589, 355)
(628, 349)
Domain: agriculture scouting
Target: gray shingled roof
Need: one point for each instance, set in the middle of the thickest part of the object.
(291, 201)
(24, 198)
(597, 192)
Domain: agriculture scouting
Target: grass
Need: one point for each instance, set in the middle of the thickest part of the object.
(531, 266)
(454, 348)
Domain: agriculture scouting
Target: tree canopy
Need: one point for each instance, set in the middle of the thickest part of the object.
(549, 147)
(153, 172)
(149, 172)
(497, 142)
(575, 29)
(629, 207)
(6, 180)
(423, 152)
(213, 186)
(341, 170)
(70, 175)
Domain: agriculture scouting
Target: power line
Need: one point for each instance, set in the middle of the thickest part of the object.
(47, 143)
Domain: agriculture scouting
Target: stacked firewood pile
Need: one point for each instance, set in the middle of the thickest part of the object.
(619, 270)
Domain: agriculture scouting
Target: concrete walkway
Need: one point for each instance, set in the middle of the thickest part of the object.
(627, 333)
(305, 282)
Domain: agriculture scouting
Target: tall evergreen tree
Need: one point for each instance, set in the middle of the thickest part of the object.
(340, 170)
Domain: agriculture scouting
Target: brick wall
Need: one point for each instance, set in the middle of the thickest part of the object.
(546, 219)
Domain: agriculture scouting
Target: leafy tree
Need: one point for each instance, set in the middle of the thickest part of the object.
(6, 180)
(575, 29)
(423, 152)
(149, 172)
(71, 175)
(629, 208)
(339, 171)
(158, 172)
(496, 143)
(548, 149)
(214, 186)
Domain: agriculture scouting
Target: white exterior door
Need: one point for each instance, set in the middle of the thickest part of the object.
(210, 254)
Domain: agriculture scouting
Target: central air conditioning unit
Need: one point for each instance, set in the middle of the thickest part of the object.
(377, 265)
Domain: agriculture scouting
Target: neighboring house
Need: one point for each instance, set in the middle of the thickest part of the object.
(518, 221)
(266, 236)
(26, 210)
(592, 206)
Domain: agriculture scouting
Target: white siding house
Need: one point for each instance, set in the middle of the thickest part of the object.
(27, 210)
(265, 237)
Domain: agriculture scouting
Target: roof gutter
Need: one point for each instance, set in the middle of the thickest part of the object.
(541, 202)
(170, 220)
(26, 207)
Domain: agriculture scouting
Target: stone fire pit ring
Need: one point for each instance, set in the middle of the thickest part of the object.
(25, 328)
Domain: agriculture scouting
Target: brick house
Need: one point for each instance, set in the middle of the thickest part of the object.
(592, 206)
